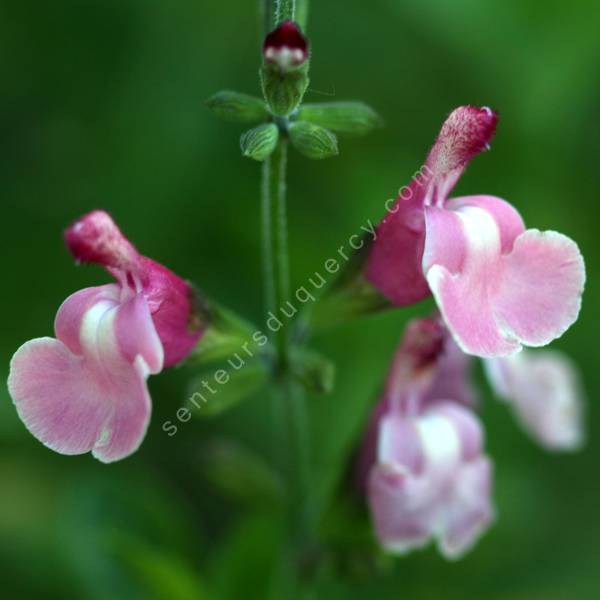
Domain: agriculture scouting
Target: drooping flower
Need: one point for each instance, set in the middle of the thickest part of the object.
(86, 390)
(544, 391)
(422, 463)
(498, 286)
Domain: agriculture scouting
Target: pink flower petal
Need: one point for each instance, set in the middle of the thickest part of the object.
(492, 301)
(468, 511)
(95, 399)
(464, 295)
(544, 391)
(69, 317)
(72, 407)
(467, 428)
(509, 221)
(540, 293)
(400, 443)
(431, 481)
(137, 335)
(401, 519)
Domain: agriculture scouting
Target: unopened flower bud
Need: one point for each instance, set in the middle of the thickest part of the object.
(284, 74)
(285, 46)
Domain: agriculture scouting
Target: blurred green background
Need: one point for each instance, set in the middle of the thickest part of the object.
(101, 106)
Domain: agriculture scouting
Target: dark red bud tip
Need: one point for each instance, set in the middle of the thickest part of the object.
(96, 238)
(286, 46)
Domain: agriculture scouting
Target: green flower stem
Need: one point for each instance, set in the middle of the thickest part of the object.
(292, 445)
(275, 250)
(285, 10)
(291, 428)
(273, 12)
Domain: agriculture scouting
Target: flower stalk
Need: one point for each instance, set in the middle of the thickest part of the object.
(275, 245)
(292, 440)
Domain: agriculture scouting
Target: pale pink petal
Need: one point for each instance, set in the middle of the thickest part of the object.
(431, 481)
(400, 443)
(445, 242)
(69, 317)
(544, 390)
(493, 302)
(509, 221)
(137, 335)
(95, 400)
(125, 430)
(55, 396)
(467, 428)
(468, 511)
(73, 407)
(540, 293)
(402, 515)
(464, 296)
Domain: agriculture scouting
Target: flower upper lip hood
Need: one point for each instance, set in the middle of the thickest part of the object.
(95, 238)
(498, 285)
(85, 390)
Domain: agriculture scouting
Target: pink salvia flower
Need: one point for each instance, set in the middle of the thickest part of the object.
(423, 464)
(86, 390)
(498, 286)
(544, 391)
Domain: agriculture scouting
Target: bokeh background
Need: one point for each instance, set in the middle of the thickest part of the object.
(101, 105)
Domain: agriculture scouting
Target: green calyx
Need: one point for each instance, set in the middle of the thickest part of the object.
(312, 141)
(260, 142)
(284, 89)
(349, 118)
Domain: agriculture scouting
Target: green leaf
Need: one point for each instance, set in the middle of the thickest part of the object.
(260, 142)
(313, 141)
(229, 387)
(237, 107)
(351, 118)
